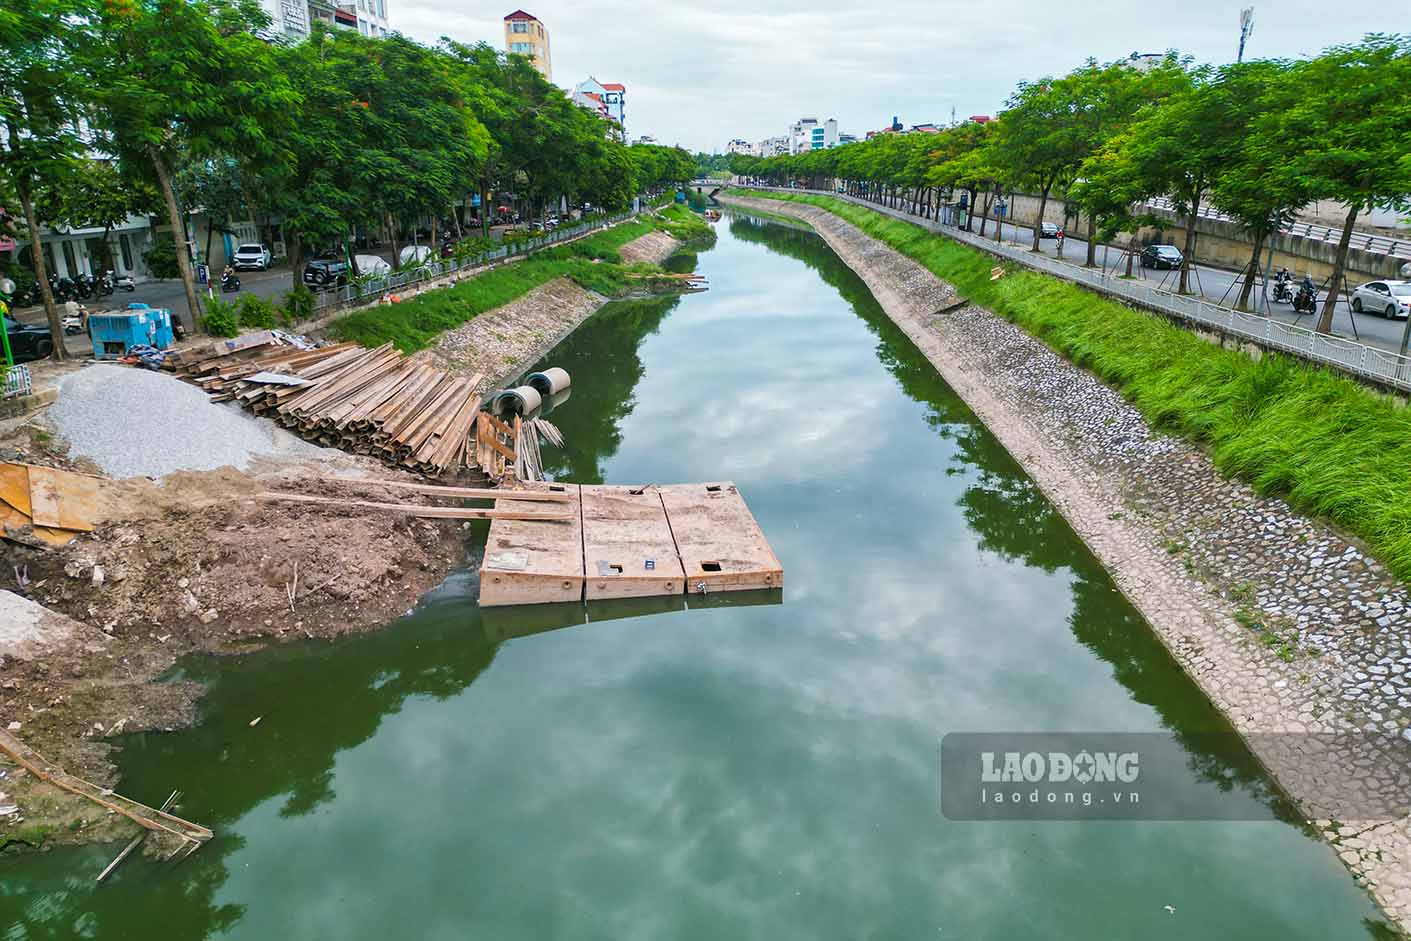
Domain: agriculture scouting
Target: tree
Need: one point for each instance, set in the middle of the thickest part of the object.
(93, 193)
(1252, 188)
(40, 96)
(1346, 132)
(216, 186)
(185, 76)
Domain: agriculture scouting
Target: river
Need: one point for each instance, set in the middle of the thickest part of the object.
(733, 767)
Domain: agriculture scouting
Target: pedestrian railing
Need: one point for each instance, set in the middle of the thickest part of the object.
(1359, 359)
(1365, 241)
(365, 289)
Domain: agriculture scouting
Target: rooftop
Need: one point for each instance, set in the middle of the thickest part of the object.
(521, 15)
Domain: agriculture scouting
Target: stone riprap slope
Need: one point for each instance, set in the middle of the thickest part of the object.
(1286, 625)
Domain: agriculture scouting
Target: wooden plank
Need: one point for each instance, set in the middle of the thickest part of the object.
(721, 545)
(43, 497)
(14, 487)
(427, 512)
(628, 551)
(148, 817)
(75, 497)
(470, 493)
(529, 562)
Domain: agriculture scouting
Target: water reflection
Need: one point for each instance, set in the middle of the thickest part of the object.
(719, 767)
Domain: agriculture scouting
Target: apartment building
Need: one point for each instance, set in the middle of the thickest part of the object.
(525, 35)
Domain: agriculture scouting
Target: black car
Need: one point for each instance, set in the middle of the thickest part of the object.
(1162, 256)
(326, 272)
(28, 340)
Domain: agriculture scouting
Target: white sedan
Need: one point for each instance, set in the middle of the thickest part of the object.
(1387, 298)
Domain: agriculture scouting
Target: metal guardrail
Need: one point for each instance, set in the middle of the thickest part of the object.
(1358, 359)
(1363, 241)
(371, 288)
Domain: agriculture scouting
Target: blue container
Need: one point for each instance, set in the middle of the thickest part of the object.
(113, 334)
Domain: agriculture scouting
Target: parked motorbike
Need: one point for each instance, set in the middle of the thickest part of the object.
(229, 283)
(83, 286)
(63, 289)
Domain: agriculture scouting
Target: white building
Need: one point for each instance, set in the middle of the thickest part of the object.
(372, 17)
(288, 19)
(738, 146)
(772, 147)
(607, 98)
(812, 134)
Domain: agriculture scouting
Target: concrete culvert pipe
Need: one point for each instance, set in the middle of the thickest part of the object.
(549, 382)
(521, 400)
(552, 402)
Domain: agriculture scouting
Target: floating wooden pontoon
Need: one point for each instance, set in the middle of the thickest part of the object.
(627, 542)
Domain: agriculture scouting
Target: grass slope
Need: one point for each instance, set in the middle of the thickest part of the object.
(593, 261)
(1328, 444)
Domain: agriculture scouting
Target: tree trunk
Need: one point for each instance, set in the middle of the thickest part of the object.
(1091, 261)
(210, 230)
(392, 237)
(1325, 319)
(294, 247)
(985, 214)
(1189, 253)
(1248, 289)
(484, 207)
(1131, 244)
(178, 233)
(1039, 222)
(434, 242)
(36, 252)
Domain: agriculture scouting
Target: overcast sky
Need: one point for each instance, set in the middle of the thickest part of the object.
(700, 73)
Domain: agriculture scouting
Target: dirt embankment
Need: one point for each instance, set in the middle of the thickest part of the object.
(197, 563)
(1285, 624)
(501, 343)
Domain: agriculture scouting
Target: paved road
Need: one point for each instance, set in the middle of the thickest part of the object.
(1219, 285)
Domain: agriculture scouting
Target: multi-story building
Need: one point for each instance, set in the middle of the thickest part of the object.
(341, 15)
(607, 98)
(372, 17)
(288, 19)
(525, 35)
(738, 146)
(812, 134)
(772, 147)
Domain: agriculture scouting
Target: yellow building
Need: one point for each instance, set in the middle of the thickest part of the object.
(526, 36)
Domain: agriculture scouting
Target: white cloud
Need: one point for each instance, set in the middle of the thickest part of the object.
(701, 73)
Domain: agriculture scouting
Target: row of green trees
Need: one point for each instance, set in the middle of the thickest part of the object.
(1258, 140)
(115, 106)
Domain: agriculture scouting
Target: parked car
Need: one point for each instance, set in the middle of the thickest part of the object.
(1387, 298)
(254, 256)
(1048, 230)
(1162, 256)
(412, 255)
(373, 264)
(326, 272)
(28, 340)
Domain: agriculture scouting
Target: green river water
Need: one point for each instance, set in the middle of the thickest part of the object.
(733, 767)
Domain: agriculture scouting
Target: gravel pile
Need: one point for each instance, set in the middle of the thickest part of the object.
(136, 423)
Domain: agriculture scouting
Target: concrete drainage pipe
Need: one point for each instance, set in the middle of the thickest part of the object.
(549, 382)
(521, 400)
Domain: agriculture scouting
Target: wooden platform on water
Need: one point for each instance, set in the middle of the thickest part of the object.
(628, 542)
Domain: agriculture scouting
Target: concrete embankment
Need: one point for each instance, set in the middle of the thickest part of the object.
(1295, 633)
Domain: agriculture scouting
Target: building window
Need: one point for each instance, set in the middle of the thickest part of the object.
(523, 48)
(69, 259)
(519, 26)
(125, 245)
(49, 258)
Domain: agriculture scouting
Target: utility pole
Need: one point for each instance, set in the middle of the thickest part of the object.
(1246, 27)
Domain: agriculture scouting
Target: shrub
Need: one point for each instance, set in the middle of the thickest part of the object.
(298, 305)
(256, 312)
(160, 257)
(222, 318)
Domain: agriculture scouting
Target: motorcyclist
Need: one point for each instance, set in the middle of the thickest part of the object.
(228, 280)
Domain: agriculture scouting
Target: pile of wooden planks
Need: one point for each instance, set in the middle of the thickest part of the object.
(45, 506)
(367, 401)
